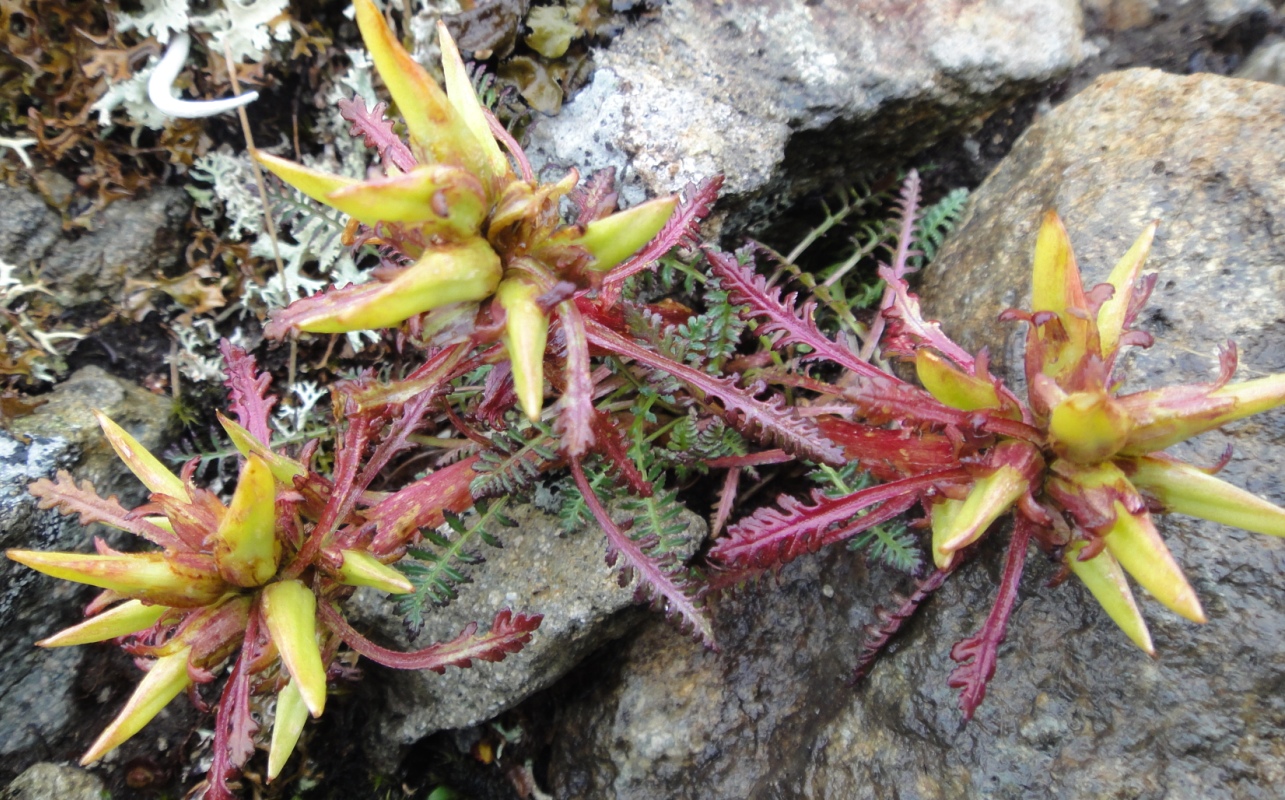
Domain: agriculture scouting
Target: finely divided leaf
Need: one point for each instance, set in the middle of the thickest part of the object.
(69, 499)
(248, 391)
(773, 421)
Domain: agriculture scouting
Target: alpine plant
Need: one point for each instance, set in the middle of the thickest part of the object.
(256, 585)
(1077, 465)
(481, 269)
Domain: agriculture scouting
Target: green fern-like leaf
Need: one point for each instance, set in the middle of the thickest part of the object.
(658, 517)
(893, 544)
(714, 336)
(517, 459)
(436, 571)
(936, 223)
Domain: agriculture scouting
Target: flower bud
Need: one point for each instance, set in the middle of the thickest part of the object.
(612, 239)
(437, 131)
(363, 569)
(1105, 580)
(953, 387)
(291, 714)
(1136, 544)
(182, 582)
(290, 610)
(162, 683)
(447, 274)
(129, 617)
(526, 331)
(246, 548)
(1088, 427)
(989, 498)
(143, 464)
(1188, 490)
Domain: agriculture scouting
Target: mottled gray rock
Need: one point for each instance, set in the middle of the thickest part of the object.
(132, 238)
(36, 686)
(788, 95)
(1228, 13)
(1074, 711)
(1266, 63)
(540, 569)
(28, 226)
(46, 781)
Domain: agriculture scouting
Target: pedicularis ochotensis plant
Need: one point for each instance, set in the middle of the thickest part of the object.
(511, 305)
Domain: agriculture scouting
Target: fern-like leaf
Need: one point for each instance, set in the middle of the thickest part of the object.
(518, 457)
(778, 316)
(977, 655)
(774, 536)
(70, 499)
(435, 573)
(772, 421)
(661, 577)
(878, 636)
(248, 391)
(935, 224)
(377, 132)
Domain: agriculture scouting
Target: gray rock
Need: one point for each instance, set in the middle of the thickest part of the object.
(1225, 14)
(28, 226)
(1266, 63)
(540, 569)
(787, 96)
(37, 714)
(134, 238)
(46, 781)
(1074, 711)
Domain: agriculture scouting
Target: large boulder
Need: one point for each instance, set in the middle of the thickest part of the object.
(1074, 710)
(788, 96)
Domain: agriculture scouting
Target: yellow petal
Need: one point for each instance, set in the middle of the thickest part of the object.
(1088, 427)
(1188, 490)
(943, 514)
(989, 498)
(143, 464)
(1122, 279)
(952, 387)
(526, 334)
(443, 275)
(1164, 417)
(448, 200)
(167, 677)
(363, 569)
(1105, 580)
(613, 239)
(129, 617)
(459, 90)
(436, 129)
(314, 183)
(246, 548)
(1055, 279)
(1136, 544)
(290, 609)
(178, 582)
(283, 468)
(291, 714)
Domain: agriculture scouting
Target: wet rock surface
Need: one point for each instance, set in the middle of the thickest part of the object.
(540, 569)
(788, 96)
(1074, 710)
(39, 696)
